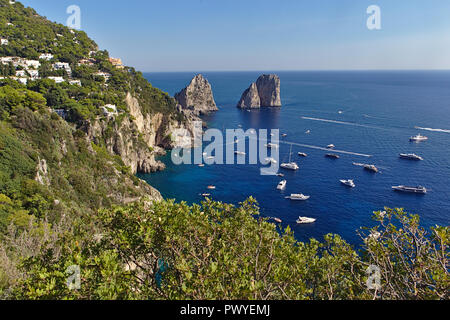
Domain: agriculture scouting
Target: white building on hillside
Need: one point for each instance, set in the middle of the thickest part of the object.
(32, 64)
(57, 79)
(46, 56)
(4, 42)
(63, 66)
(109, 110)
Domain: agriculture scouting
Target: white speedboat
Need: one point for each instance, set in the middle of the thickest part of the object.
(302, 154)
(282, 185)
(305, 220)
(308, 132)
(298, 197)
(348, 183)
(418, 138)
(271, 160)
(290, 165)
(411, 156)
(331, 146)
(211, 187)
(272, 146)
(419, 189)
(371, 167)
(240, 153)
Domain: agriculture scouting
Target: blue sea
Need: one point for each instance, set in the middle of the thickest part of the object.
(372, 113)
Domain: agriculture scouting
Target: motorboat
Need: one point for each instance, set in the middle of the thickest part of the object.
(272, 146)
(301, 154)
(348, 183)
(410, 156)
(240, 153)
(331, 146)
(305, 220)
(332, 156)
(371, 167)
(206, 195)
(271, 160)
(282, 185)
(201, 165)
(212, 187)
(280, 175)
(419, 189)
(277, 220)
(298, 197)
(418, 138)
(308, 132)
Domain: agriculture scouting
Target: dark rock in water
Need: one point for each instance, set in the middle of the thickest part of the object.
(266, 92)
(197, 96)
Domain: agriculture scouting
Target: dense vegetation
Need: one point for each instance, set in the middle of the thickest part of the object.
(65, 201)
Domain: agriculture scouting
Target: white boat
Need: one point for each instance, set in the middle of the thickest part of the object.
(212, 187)
(419, 189)
(272, 146)
(290, 165)
(201, 165)
(308, 132)
(271, 160)
(348, 183)
(298, 197)
(371, 167)
(282, 185)
(284, 135)
(240, 153)
(410, 156)
(331, 146)
(302, 154)
(418, 138)
(210, 158)
(305, 220)
(340, 112)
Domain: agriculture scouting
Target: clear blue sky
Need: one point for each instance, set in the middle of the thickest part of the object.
(208, 35)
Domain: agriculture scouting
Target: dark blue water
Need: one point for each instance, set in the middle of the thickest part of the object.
(380, 113)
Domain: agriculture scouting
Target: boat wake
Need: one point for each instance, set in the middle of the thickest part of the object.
(341, 122)
(433, 130)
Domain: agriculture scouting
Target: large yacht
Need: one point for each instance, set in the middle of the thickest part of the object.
(410, 156)
(348, 183)
(418, 138)
(290, 165)
(282, 185)
(419, 189)
(305, 220)
(298, 197)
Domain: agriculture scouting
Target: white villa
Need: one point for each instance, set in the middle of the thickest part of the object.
(46, 56)
(75, 82)
(57, 79)
(63, 66)
(105, 75)
(109, 110)
(4, 42)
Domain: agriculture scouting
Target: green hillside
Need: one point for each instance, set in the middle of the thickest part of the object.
(67, 200)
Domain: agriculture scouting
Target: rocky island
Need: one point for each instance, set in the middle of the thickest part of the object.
(266, 92)
(197, 97)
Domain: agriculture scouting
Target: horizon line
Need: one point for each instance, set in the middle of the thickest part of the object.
(295, 70)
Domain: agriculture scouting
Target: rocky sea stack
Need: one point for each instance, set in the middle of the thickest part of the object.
(197, 96)
(266, 92)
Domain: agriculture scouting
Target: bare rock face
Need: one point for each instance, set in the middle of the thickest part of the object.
(250, 98)
(197, 96)
(266, 92)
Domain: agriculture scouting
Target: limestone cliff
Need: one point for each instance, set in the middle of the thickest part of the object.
(266, 92)
(138, 139)
(197, 96)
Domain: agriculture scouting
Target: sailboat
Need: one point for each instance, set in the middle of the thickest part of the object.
(290, 165)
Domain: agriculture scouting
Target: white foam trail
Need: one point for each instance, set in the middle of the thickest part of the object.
(434, 130)
(341, 122)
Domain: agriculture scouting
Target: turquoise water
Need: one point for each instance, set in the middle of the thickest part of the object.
(380, 111)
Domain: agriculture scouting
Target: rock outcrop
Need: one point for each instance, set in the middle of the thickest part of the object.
(197, 96)
(266, 92)
(139, 139)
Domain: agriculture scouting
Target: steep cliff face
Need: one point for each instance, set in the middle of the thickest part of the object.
(266, 92)
(250, 98)
(197, 96)
(138, 139)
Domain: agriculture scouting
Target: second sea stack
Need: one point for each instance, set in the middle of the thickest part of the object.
(266, 92)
